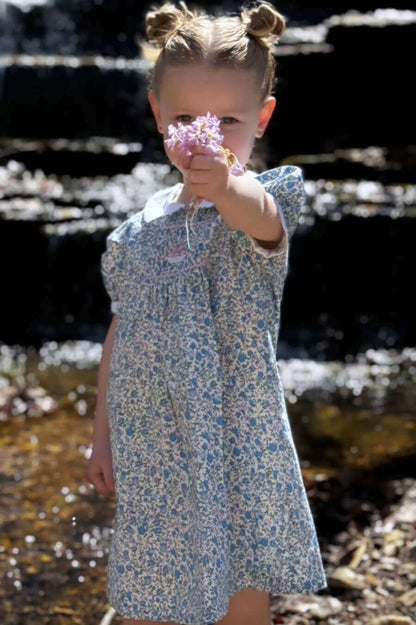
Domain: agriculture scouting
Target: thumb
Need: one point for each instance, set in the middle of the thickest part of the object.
(197, 149)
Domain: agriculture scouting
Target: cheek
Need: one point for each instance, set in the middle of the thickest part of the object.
(239, 145)
(236, 139)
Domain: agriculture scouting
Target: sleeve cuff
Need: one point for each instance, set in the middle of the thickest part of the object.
(282, 246)
(114, 306)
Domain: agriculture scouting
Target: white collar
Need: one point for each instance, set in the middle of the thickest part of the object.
(161, 203)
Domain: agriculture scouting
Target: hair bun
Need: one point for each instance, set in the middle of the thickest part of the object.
(162, 22)
(264, 22)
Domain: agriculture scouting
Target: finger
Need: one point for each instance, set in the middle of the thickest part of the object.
(198, 176)
(96, 478)
(109, 482)
(183, 158)
(201, 162)
(179, 157)
(185, 161)
(199, 157)
(198, 188)
(203, 149)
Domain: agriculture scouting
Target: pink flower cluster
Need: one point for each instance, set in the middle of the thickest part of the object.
(203, 132)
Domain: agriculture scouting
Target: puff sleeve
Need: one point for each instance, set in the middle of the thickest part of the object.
(285, 185)
(112, 262)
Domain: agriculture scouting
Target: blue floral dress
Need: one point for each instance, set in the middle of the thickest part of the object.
(210, 498)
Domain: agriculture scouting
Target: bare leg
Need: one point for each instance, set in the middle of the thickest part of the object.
(248, 607)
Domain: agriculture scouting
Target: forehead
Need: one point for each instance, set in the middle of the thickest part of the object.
(190, 86)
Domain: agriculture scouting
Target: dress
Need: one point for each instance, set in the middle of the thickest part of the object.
(210, 498)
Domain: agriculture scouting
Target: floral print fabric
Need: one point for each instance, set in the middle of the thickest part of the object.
(210, 498)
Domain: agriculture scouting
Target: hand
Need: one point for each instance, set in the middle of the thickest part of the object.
(100, 468)
(207, 176)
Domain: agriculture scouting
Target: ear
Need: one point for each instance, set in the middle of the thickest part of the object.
(265, 115)
(156, 110)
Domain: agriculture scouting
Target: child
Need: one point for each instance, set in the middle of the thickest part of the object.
(211, 510)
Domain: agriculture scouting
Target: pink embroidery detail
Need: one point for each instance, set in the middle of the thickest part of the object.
(178, 226)
(176, 254)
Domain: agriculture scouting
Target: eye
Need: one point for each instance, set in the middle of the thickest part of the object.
(226, 120)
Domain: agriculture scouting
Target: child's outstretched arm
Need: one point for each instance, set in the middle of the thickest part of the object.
(100, 467)
(260, 217)
(241, 200)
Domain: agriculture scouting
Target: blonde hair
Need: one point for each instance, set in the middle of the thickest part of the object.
(181, 36)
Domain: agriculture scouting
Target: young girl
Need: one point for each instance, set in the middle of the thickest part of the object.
(191, 423)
